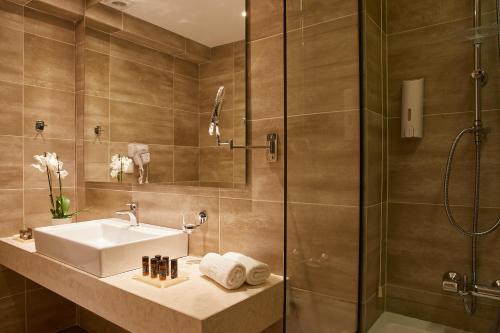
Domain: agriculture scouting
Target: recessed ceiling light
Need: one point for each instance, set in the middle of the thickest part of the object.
(118, 4)
(243, 13)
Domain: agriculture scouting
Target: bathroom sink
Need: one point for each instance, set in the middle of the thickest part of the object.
(108, 247)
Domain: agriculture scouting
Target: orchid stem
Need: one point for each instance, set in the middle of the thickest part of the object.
(49, 179)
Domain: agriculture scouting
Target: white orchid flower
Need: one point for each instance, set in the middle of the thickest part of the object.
(63, 174)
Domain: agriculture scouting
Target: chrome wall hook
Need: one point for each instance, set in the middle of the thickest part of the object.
(40, 126)
(188, 228)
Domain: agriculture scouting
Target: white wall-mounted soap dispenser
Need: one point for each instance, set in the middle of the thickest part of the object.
(412, 108)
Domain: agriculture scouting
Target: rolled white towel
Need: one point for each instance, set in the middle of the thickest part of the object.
(227, 272)
(257, 272)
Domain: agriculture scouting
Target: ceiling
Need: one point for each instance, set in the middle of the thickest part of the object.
(210, 22)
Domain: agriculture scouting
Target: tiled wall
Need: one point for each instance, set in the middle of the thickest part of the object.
(375, 166)
(37, 81)
(425, 40)
(323, 165)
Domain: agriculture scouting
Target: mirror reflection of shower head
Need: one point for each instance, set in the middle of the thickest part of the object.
(213, 128)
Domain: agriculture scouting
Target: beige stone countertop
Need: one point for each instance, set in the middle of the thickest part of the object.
(197, 305)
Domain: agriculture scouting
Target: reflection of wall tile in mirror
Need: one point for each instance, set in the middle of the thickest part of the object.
(45, 25)
(96, 74)
(186, 128)
(102, 203)
(266, 84)
(65, 149)
(197, 51)
(239, 56)
(137, 83)
(161, 167)
(185, 68)
(323, 67)
(11, 160)
(96, 114)
(333, 274)
(222, 61)
(132, 122)
(97, 41)
(186, 164)
(11, 55)
(11, 15)
(186, 93)
(11, 108)
(225, 128)
(49, 63)
(254, 228)
(216, 165)
(11, 208)
(127, 50)
(96, 157)
(208, 91)
(315, 168)
(56, 108)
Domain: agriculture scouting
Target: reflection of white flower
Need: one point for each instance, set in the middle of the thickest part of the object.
(119, 163)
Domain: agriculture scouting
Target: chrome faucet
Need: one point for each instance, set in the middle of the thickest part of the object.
(132, 212)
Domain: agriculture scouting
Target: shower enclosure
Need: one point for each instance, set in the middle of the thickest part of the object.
(368, 237)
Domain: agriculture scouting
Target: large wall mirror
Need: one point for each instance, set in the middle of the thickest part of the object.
(151, 71)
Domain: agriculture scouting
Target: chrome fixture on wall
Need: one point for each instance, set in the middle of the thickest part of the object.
(271, 145)
(452, 282)
(188, 228)
(470, 290)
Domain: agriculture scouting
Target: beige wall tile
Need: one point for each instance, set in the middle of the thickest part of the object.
(65, 149)
(12, 314)
(186, 93)
(11, 203)
(42, 305)
(96, 157)
(153, 88)
(186, 68)
(266, 18)
(97, 41)
(186, 164)
(373, 168)
(372, 310)
(100, 203)
(97, 79)
(323, 67)
(374, 11)
(266, 83)
(216, 165)
(132, 122)
(70, 10)
(316, 313)
(197, 51)
(11, 15)
(56, 108)
(48, 63)
(11, 108)
(313, 12)
(104, 18)
(45, 25)
(373, 66)
(11, 160)
(129, 51)
(254, 228)
(372, 255)
(11, 55)
(167, 209)
(96, 114)
(186, 128)
(324, 173)
(323, 249)
(221, 61)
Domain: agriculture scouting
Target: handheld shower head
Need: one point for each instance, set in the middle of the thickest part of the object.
(213, 128)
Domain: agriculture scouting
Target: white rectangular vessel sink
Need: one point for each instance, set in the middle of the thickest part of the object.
(108, 247)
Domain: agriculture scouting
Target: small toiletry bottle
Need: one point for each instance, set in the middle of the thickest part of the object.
(163, 270)
(173, 268)
(145, 266)
(154, 268)
(158, 257)
(167, 259)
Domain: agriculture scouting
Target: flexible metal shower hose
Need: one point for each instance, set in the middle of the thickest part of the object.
(474, 233)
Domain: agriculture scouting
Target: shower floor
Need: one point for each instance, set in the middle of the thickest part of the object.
(394, 323)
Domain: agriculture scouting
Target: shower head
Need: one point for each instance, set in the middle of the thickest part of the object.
(213, 128)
